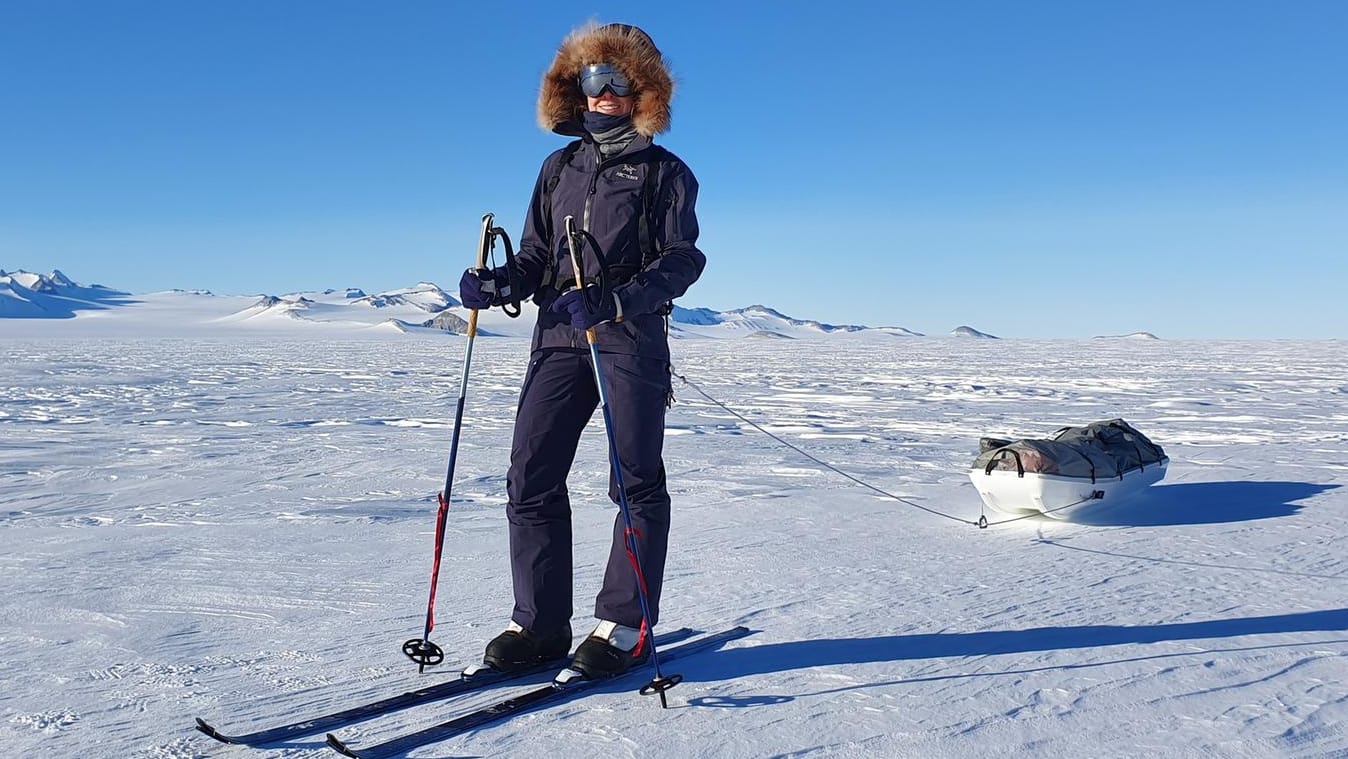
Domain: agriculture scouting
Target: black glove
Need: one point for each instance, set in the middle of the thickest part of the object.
(484, 288)
(571, 305)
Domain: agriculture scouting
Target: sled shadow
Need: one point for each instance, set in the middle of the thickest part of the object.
(783, 657)
(1202, 503)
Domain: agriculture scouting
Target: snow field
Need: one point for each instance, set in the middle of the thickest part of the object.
(240, 529)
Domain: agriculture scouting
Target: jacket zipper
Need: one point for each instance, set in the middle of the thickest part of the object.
(589, 196)
(589, 204)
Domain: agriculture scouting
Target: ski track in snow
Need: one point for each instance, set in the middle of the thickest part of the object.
(240, 529)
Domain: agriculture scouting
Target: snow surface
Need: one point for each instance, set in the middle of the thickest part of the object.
(237, 526)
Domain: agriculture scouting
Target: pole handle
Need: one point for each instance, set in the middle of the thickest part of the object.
(484, 240)
(571, 237)
(483, 251)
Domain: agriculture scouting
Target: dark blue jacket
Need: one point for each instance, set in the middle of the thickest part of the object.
(606, 200)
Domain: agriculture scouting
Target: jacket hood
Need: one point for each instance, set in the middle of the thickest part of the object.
(631, 51)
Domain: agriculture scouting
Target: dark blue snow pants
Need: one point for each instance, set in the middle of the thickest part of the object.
(557, 401)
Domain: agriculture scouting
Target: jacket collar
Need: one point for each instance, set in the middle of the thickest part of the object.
(638, 144)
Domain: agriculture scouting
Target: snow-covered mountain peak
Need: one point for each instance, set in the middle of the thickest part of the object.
(1130, 336)
(760, 319)
(26, 295)
(965, 331)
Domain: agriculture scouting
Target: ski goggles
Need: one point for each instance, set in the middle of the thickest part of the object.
(597, 77)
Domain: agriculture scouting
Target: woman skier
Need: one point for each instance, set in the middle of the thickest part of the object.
(633, 202)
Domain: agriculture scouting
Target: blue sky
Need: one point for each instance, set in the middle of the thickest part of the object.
(1046, 169)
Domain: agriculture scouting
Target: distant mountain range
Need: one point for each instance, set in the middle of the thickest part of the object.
(25, 295)
(423, 307)
(763, 321)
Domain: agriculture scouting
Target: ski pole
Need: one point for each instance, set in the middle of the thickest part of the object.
(661, 683)
(422, 650)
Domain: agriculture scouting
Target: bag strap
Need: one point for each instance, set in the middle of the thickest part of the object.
(646, 224)
(563, 161)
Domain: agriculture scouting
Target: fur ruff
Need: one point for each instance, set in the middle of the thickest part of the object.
(560, 101)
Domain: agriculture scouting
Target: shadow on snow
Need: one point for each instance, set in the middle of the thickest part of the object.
(783, 657)
(1202, 503)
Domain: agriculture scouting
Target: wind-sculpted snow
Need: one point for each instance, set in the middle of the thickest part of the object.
(240, 529)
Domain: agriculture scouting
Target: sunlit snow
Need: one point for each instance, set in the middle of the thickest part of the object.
(235, 523)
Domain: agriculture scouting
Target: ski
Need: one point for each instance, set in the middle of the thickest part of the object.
(551, 693)
(463, 684)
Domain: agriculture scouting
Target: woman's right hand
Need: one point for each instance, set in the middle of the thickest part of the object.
(484, 288)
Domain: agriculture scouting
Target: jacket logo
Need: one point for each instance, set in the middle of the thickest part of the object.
(627, 171)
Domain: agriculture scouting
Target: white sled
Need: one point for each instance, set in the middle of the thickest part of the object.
(1055, 495)
(1102, 461)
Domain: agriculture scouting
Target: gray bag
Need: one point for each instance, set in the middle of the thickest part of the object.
(1097, 451)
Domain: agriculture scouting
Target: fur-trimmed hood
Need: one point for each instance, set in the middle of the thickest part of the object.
(631, 51)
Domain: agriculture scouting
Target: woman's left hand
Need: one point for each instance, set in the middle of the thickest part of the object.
(571, 305)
